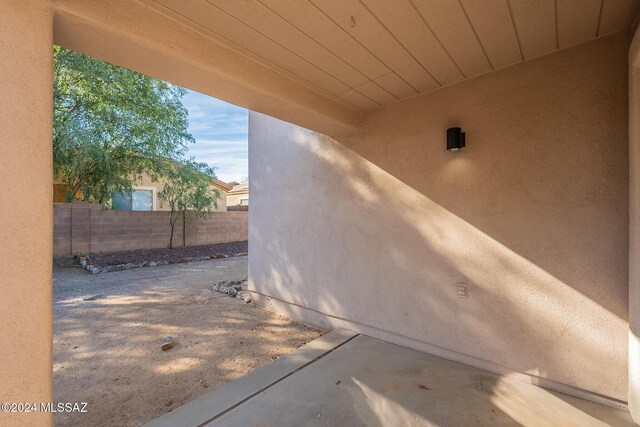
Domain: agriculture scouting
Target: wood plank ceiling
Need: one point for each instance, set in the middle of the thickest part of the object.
(371, 53)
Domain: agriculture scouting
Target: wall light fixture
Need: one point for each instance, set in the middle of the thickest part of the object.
(455, 139)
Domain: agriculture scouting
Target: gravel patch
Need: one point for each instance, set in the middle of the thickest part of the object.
(124, 260)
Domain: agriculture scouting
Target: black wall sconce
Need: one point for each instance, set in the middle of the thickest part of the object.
(455, 139)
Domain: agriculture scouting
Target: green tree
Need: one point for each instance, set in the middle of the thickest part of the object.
(111, 124)
(188, 187)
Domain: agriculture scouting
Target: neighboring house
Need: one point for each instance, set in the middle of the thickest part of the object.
(238, 196)
(144, 196)
(59, 191)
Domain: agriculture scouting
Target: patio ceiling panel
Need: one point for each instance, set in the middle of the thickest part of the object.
(233, 30)
(265, 22)
(495, 31)
(411, 31)
(617, 14)
(449, 22)
(535, 25)
(355, 19)
(574, 28)
(371, 53)
(307, 18)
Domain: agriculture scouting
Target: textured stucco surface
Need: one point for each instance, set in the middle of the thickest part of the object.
(26, 224)
(374, 233)
(634, 227)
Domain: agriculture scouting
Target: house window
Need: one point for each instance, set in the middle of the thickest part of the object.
(244, 202)
(121, 201)
(134, 200)
(142, 200)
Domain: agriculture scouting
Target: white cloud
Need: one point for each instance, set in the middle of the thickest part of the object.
(221, 133)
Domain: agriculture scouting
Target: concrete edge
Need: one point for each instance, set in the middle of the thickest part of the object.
(324, 320)
(210, 406)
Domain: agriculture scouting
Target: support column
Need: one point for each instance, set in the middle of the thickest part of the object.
(634, 228)
(26, 218)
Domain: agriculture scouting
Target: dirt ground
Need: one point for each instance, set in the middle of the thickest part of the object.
(107, 351)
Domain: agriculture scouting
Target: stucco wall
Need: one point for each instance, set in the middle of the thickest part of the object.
(532, 216)
(26, 220)
(234, 199)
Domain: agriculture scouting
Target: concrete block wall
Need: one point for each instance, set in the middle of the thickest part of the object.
(227, 227)
(62, 229)
(82, 227)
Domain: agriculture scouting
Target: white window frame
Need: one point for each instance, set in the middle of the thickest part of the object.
(154, 197)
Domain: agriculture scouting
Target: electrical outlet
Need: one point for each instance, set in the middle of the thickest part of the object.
(463, 290)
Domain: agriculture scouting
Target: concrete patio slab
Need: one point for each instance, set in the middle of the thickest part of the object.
(368, 382)
(214, 404)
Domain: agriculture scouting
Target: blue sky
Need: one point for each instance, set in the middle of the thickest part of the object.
(221, 133)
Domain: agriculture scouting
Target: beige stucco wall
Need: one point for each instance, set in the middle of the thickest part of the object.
(234, 199)
(634, 227)
(26, 223)
(532, 216)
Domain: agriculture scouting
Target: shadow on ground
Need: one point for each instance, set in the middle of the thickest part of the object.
(107, 351)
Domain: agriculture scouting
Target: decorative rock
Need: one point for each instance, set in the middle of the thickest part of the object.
(94, 270)
(167, 343)
(114, 268)
(233, 288)
(222, 256)
(128, 266)
(153, 264)
(242, 254)
(93, 297)
(83, 261)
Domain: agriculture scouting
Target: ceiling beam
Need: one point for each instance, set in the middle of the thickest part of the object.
(135, 36)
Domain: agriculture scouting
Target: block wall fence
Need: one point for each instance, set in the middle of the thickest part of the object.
(82, 227)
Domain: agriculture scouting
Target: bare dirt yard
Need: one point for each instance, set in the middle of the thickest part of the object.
(107, 350)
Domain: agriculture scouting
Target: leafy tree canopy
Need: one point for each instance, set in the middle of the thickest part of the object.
(111, 124)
